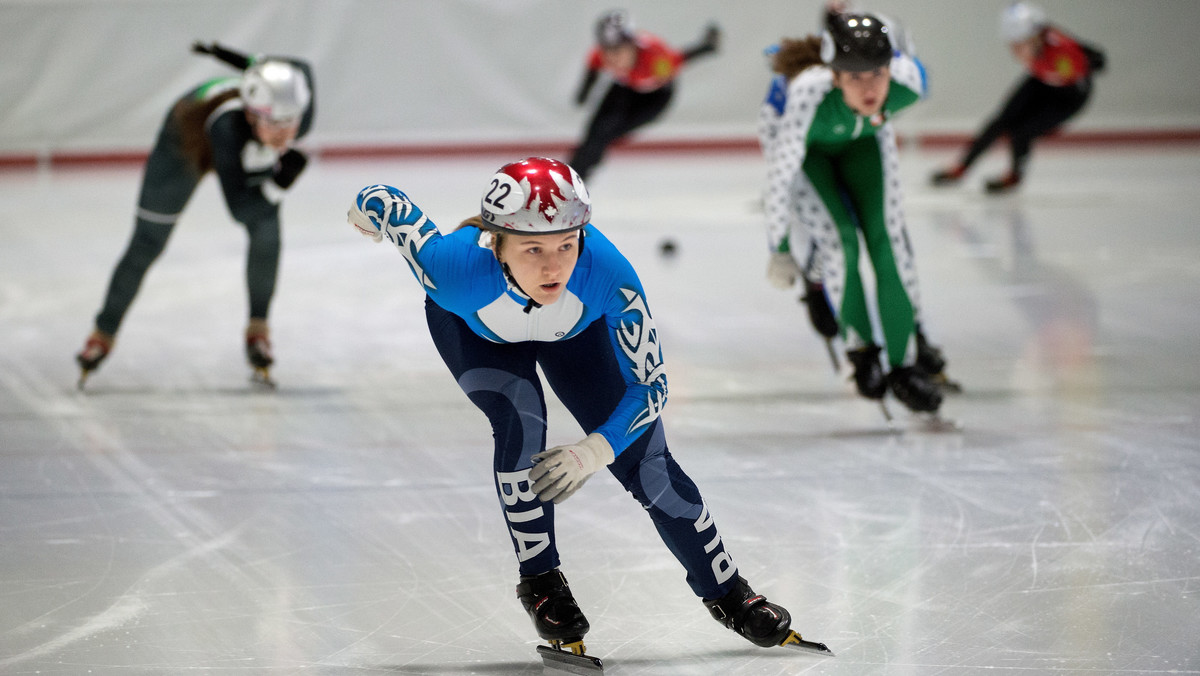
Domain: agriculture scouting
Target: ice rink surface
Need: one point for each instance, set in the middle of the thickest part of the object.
(173, 519)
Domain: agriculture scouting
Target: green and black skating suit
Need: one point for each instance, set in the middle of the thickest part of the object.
(833, 174)
(207, 129)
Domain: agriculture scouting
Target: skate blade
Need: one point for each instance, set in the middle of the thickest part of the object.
(947, 385)
(887, 413)
(795, 642)
(837, 367)
(934, 422)
(262, 376)
(82, 379)
(559, 661)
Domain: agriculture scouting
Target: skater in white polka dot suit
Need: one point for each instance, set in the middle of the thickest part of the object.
(833, 178)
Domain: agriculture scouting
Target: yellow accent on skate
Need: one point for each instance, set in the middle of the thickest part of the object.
(576, 647)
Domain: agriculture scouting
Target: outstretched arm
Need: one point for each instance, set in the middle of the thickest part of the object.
(585, 87)
(707, 45)
(381, 211)
(236, 59)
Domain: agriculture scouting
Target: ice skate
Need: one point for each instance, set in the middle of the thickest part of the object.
(946, 177)
(931, 360)
(258, 353)
(914, 389)
(821, 316)
(868, 376)
(922, 395)
(759, 621)
(558, 620)
(1003, 184)
(94, 351)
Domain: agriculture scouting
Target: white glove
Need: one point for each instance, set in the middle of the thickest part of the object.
(562, 470)
(782, 270)
(364, 224)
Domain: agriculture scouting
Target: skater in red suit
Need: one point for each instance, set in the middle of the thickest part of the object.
(1057, 86)
(643, 69)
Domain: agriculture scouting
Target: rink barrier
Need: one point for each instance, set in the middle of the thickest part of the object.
(84, 159)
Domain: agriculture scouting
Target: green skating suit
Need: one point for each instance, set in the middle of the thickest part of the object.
(833, 174)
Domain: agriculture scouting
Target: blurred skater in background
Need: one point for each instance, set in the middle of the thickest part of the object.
(1056, 88)
(643, 69)
(833, 178)
(242, 129)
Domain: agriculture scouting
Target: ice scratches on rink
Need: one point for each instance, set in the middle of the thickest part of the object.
(173, 518)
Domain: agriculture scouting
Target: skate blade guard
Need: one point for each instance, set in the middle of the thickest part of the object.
(572, 660)
(793, 641)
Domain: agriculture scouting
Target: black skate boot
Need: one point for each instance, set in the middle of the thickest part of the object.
(820, 315)
(868, 374)
(931, 360)
(819, 311)
(914, 389)
(558, 619)
(94, 351)
(929, 357)
(1002, 184)
(258, 352)
(550, 605)
(948, 176)
(759, 621)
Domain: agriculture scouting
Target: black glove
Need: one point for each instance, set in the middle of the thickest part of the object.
(712, 36)
(288, 169)
(707, 45)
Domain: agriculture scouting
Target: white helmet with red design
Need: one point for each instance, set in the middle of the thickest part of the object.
(537, 195)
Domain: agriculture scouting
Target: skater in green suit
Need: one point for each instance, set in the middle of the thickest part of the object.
(241, 129)
(833, 193)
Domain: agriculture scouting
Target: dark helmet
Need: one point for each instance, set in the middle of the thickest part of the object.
(855, 42)
(614, 28)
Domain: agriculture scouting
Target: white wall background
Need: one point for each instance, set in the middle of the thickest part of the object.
(98, 75)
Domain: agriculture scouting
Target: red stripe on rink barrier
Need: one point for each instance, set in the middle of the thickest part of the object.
(26, 160)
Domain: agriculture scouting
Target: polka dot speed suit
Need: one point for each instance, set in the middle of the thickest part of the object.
(833, 183)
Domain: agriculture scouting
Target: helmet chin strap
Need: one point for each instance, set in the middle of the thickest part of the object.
(513, 282)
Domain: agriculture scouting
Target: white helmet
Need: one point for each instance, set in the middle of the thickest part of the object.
(536, 195)
(1021, 21)
(275, 90)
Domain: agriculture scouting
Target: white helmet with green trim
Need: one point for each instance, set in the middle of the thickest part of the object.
(275, 90)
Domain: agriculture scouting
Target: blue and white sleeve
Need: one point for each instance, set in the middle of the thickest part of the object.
(636, 346)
